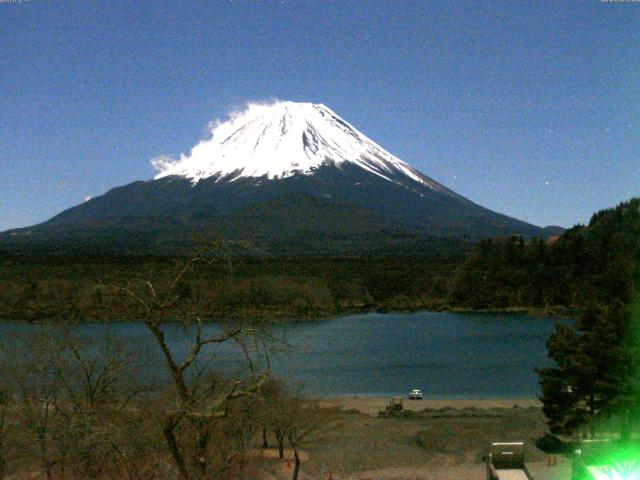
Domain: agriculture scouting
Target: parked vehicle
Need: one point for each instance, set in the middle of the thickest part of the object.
(415, 394)
(395, 408)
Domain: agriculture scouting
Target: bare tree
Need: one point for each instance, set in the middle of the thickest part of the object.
(272, 415)
(5, 402)
(293, 419)
(70, 404)
(99, 381)
(200, 399)
(36, 388)
(305, 419)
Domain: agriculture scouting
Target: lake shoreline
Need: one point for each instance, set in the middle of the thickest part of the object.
(282, 317)
(371, 405)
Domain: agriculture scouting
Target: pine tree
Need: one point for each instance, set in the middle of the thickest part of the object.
(596, 371)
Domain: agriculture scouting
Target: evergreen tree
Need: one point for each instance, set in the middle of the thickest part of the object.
(597, 360)
(595, 372)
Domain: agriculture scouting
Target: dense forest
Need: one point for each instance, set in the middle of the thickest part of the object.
(587, 264)
(556, 276)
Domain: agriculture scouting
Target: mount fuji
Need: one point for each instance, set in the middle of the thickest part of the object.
(291, 178)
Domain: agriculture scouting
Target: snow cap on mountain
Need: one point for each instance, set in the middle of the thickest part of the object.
(283, 139)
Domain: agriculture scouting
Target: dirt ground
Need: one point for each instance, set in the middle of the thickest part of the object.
(439, 440)
(372, 405)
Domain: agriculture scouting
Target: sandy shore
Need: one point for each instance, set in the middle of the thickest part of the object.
(372, 405)
(436, 445)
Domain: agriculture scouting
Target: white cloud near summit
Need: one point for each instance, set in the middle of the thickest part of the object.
(216, 128)
(162, 162)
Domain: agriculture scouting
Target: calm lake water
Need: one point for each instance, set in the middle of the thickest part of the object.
(447, 355)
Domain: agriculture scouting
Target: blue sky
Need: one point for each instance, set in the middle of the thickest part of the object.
(528, 108)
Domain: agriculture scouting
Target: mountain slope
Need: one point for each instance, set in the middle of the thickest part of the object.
(280, 175)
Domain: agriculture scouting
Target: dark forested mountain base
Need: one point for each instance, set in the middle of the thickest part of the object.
(497, 274)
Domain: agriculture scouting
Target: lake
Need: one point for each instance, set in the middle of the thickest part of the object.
(447, 355)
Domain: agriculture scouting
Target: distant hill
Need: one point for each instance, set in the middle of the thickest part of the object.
(553, 231)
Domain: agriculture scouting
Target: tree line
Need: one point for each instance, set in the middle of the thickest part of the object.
(38, 287)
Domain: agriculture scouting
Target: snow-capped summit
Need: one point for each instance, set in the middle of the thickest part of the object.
(283, 139)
